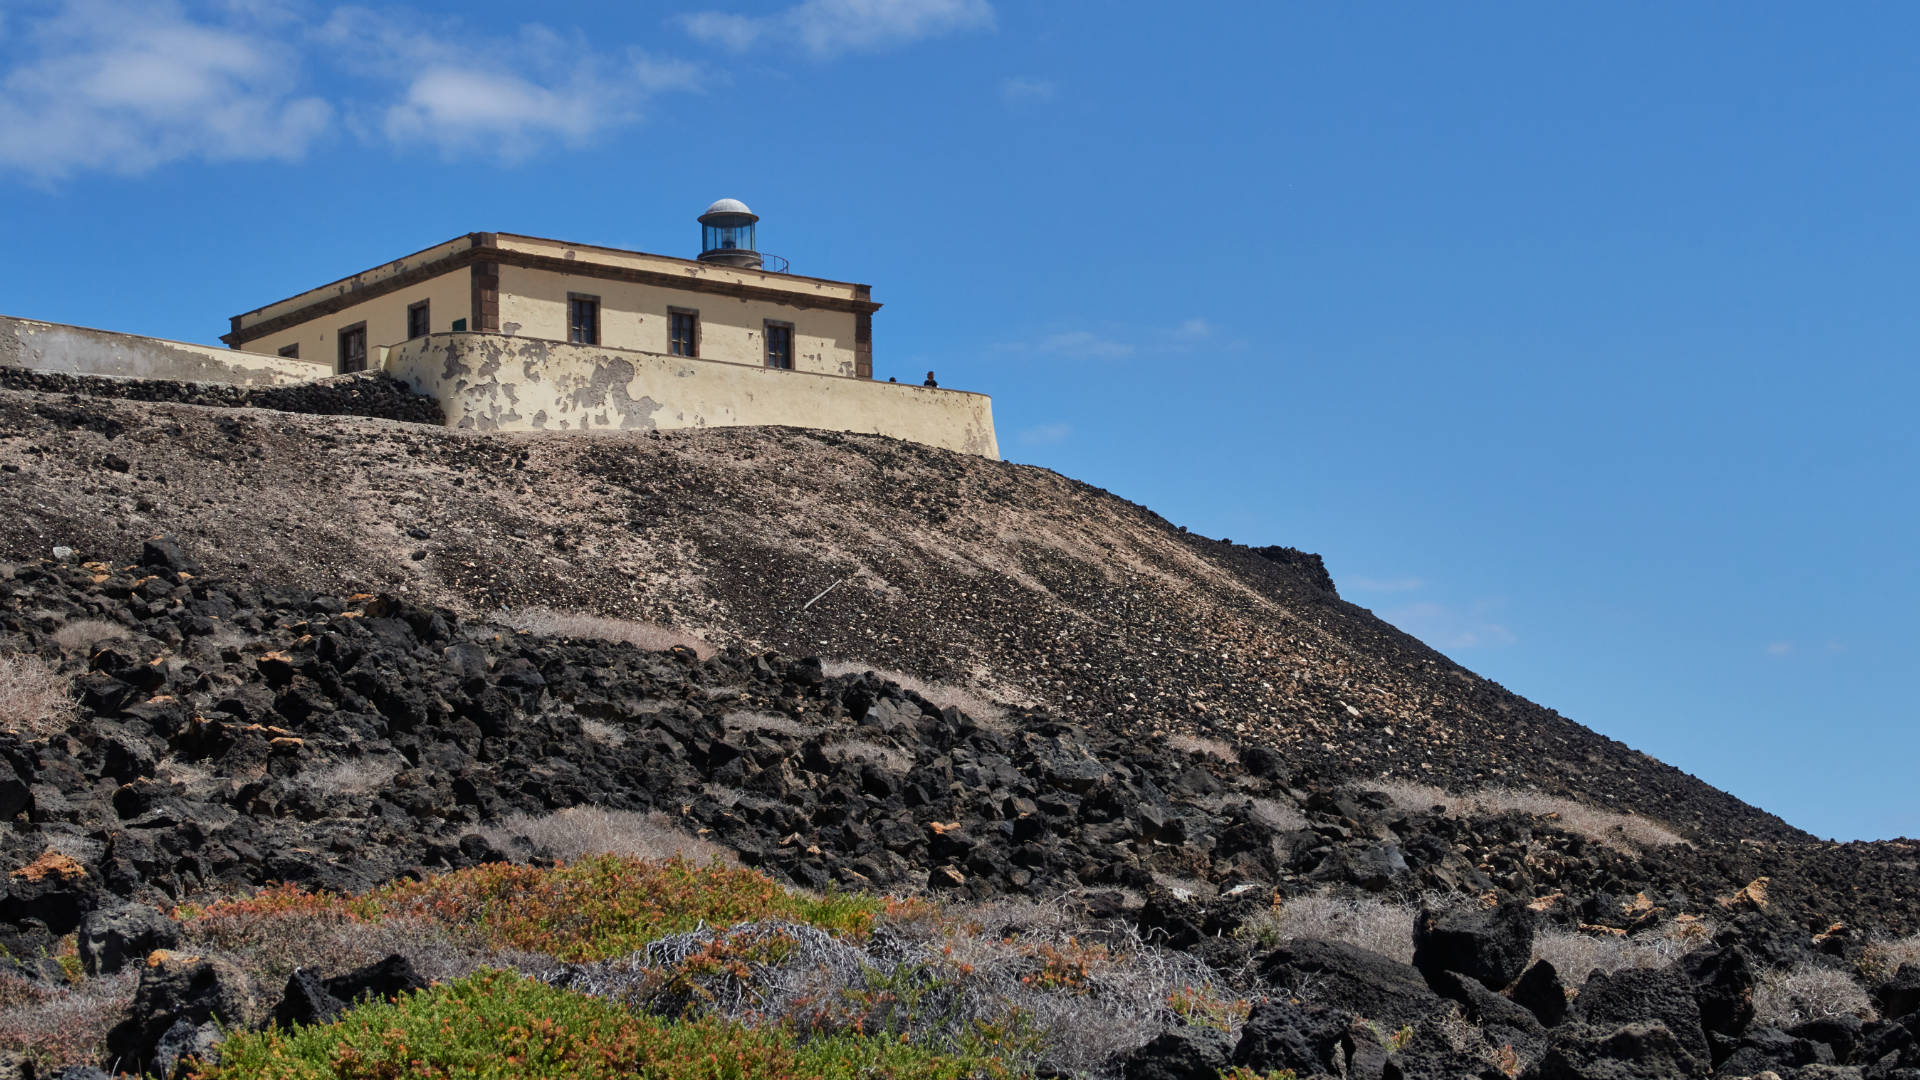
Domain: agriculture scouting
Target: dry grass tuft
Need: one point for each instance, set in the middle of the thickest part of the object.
(1576, 954)
(35, 699)
(1883, 957)
(580, 831)
(81, 635)
(975, 704)
(601, 733)
(1789, 996)
(642, 635)
(1369, 923)
(774, 723)
(1625, 832)
(885, 757)
(66, 1026)
(352, 776)
(1201, 746)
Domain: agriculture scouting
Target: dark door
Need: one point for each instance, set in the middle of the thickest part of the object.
(353, 349)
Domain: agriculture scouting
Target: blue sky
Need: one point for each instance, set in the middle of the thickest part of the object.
(1578, 339)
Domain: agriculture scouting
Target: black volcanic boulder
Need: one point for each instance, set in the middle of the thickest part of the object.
(1900, 995)
(1348, 977)
(1769, 1048)
(1637, 995)
(1282, 1035)
(1192, 1054)
(176, 988)
(1492, 946)
(306, 1001)
(1839, 1033)
(384, 980)
(1723, 983)
(1641, 1051)
(110, 938)
(1542, 993)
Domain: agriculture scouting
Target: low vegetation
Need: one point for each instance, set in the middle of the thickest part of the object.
(600, 907)
(35, 699)
(1626, 832)
(1794, 995)
(501, 1025)
(547, 622)
(983, 709)
(580, 832)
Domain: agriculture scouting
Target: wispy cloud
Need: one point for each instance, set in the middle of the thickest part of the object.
(123, 88)
(1046, 434)
(828, 28)
(1446, 627)
(1780, 648)
(1023, 91)
(1387, 585)
(1085, 344)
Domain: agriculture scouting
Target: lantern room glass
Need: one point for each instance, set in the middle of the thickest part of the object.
(717, 237)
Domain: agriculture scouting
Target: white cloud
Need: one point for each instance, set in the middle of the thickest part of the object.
(1368, 584)
(1046, 434)
(1446, 627)
(1780, 648)
(1018, 90)
(503, 96)
(1195, 329)
(125, 88)
(827, 28)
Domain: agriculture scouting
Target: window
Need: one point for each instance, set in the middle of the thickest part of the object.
(780, 345)
(683, 332)
(353, 348)
(291, 352)
(459, 326)
(418, 324)
(583, 319)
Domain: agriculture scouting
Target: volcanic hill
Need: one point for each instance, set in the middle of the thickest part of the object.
(1021, 584)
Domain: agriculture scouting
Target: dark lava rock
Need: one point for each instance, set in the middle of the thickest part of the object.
(1190, 1054)
(184, 1043)
(1723, 982)
(1541, 993)
(1839, 1033)
(306, 1001)
(1900, 995)
(1283, 1035)
(176, 988)
(110, 938)
(1491, 946)
(1348, 977)
(1640, 1051)
(1770, 1048)
(385, 981)
(1642, 994)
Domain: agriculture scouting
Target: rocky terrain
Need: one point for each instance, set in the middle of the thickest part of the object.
(282, 648)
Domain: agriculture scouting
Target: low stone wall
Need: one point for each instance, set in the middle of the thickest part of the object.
(80, 350)
(490, 382)
(363, 393)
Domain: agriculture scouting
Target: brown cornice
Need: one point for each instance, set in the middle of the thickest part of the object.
(486, 248)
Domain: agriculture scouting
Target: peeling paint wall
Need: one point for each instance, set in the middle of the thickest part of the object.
(449, 296)
(79, 350)
(492, 382)
(533, 303)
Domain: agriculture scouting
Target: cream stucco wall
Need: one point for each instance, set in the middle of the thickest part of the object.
(798, 284)
(489, 382)
(449, 296)
(533, 303)
(80, 350)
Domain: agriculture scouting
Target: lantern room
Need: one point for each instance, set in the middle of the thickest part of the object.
(726, 235)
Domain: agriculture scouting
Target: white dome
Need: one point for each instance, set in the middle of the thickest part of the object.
(727, 206)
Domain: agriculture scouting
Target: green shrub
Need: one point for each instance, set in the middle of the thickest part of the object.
(500, 1026)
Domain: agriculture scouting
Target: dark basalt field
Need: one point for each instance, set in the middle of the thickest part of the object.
(290, 661)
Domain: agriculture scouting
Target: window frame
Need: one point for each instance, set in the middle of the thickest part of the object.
(290, 352)
(768, 326)
(425, 309)
(693, 341)
(340, 365)
(574, 298)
